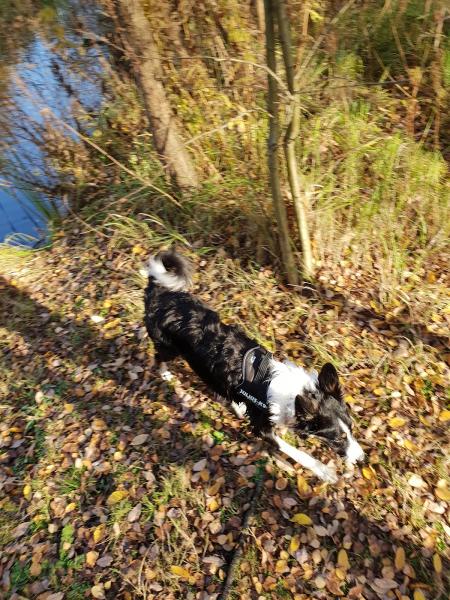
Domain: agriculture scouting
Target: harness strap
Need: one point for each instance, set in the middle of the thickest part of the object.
(255, 383)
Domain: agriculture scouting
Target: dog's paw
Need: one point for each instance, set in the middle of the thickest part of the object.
(326, 473)
(239, 409)
(167, 376)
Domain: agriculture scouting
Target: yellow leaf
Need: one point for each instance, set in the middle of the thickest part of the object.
(424, 421)
(180, 572)
(99, 533)
(437, 563)
(397, 422)
(69, 407)
(117, 497)
(301, 519)
(107, 304)
(443, 494)
(410, 446)
(349, 399)
(444, 416)
(138, 249)
(399, 558)
(27, 492)
(295, 544)
(342, 560)
(281, 566)
(368, 473)
(91, 558)
(418, 595)
(379, 391)
(111, 324)
(213, 505)
(302, 485)
(70, 507)
(348, 343)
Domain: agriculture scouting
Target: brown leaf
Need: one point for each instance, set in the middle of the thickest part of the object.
(104, 561)
(139, 439)
(399, 559)
(134, 513)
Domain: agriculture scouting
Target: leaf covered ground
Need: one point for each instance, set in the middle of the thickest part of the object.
(115, 484)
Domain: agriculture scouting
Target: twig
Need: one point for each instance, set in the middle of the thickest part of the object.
(237, 554)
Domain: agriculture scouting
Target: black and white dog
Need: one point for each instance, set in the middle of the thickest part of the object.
(274, 395)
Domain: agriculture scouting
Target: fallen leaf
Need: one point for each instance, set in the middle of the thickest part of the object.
(71, 507)
(443, 493)
(416, 481)
(104, 561)
(139, 439)
(180, 571)
(21, 529)
(99, 533)
(437, 563)
(396, 422)
(294, 544)
(444, 416)
(385, 584)
(117, 497)
(281, 566)
(91, 558)
(419, 595)
(301, 519)
(368, 473)
(97, 592)
(200, 465)
(342, 559)
(97, 318)
(302, 486)
(69, 408)
(399, 558)
(281, 484)
(27, 492)
(410, 446)
(134, 513)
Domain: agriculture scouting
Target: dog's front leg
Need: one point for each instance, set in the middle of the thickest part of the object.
(305, 459)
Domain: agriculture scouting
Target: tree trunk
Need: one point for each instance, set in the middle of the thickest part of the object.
(273, 161)
(144, 56)
(292, 131)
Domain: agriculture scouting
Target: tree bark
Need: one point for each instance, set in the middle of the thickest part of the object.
(144, 56)
(274, 136)
(292, 132)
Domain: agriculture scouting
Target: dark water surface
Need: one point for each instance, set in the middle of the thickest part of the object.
(42, 73)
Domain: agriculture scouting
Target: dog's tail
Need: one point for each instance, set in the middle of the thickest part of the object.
(170, 270)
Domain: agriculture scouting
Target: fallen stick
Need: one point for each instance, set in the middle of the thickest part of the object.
(237, 554)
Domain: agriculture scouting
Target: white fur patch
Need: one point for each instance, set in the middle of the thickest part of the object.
(170, 281)
(164, 372)
(354, 452)
(288, 381)
(239, 409)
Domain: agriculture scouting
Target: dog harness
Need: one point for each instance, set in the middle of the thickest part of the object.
(255, 383)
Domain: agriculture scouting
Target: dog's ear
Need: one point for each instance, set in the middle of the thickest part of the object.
(307, 405)
(329, 381)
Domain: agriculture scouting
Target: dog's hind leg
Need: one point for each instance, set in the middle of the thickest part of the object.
(162, 356)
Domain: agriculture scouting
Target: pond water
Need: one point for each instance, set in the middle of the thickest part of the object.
(37, 75)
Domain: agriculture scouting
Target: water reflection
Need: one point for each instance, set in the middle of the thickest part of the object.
(50, 66)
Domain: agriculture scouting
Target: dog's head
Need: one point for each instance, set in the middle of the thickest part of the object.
(322, 412)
